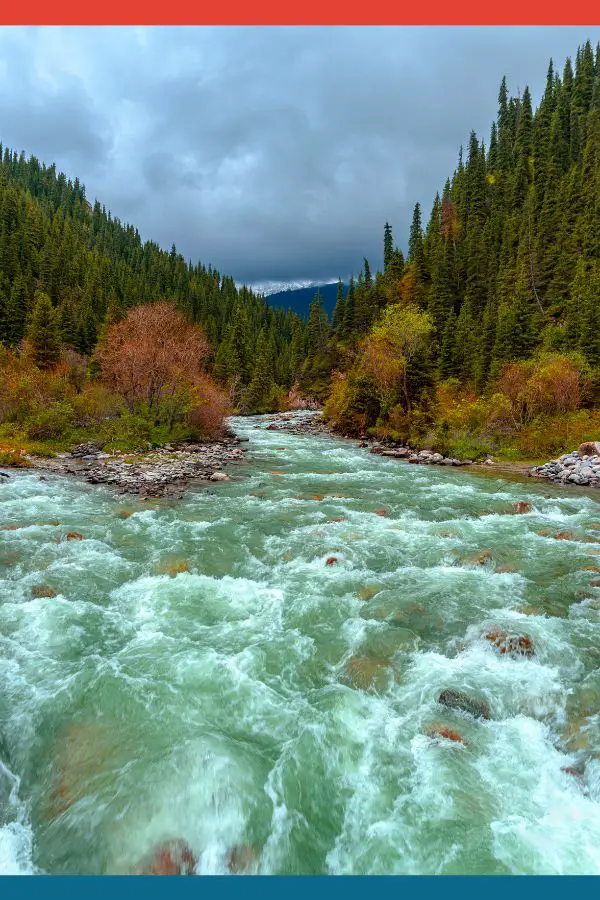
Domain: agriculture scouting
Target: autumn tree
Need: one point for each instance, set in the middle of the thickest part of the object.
(391, 346)
(155, 360)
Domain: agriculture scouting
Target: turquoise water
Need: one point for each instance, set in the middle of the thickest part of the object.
(202, 673)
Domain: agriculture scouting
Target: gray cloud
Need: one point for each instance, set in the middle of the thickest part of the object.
(272, 153)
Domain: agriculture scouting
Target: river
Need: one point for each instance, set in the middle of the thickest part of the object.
(202, 673)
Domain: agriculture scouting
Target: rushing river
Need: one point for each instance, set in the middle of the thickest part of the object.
(203, 674)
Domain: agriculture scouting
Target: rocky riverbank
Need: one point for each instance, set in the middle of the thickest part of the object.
(163, 472)
(311, 422)
(580, 467)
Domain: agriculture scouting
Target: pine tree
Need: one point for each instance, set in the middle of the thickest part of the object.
(388, 245)
(339, 309)
(416, 254)
(261, 385)
(44, 332)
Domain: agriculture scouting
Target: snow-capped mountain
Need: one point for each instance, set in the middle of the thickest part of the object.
(276, 287)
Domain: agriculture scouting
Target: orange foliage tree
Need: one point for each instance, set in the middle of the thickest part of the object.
(155, 359)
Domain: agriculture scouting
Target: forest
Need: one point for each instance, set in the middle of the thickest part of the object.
(72, 282)
(484, 337)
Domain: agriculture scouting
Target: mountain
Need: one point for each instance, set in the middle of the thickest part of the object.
(299, 299)
(266, 288)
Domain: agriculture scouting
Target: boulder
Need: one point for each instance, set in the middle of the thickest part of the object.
(514, 645)
(221, 476)
(521, 507)
(398, 453)
(460, 700)
(74, 536)
(331, 561)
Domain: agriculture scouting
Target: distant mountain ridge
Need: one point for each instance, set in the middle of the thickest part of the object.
(299, 299)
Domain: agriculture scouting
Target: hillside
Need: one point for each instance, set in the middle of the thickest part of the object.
(94, 268)
(499, 296)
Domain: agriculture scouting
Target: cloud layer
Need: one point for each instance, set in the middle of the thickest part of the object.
(272, 153)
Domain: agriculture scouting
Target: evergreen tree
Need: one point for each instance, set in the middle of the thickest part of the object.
(388, 245)
(261, 386)
(44, 332)
(339, 309)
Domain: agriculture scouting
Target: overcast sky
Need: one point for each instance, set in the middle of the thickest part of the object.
(272, 153)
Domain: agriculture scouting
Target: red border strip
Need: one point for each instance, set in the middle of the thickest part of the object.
(305, 12)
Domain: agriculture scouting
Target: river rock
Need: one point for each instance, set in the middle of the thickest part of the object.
(174, 857)
(580, 467)
(521, 507)
(242, 859)
(398, 453)
(90, 449)
(74, 536)
(42, 590)
(441, 731)
(479, 558)
(515, 645)
(366, 672)
(461, 700)
(331, 560)
(219, 476)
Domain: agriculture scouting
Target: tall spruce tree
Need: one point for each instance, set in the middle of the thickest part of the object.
(44, 332)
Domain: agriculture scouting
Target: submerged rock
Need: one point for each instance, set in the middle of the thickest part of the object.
(242, 859)
(564, 536)
(174, 857)
(460, 700)
(74, 536)
(480, 558)
(173, 567)
(367, 672)
(381, 512)
(514, 645)
(521, 507)
(368, 592)
(441, 731)
(331, 560)
(42, 590)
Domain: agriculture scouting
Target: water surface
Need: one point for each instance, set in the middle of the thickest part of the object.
(202, 673)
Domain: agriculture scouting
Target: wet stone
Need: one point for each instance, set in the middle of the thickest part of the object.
(463, 701)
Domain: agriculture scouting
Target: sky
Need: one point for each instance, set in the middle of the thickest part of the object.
(272, 153)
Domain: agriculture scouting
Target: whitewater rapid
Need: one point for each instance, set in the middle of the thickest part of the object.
(201, 672)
